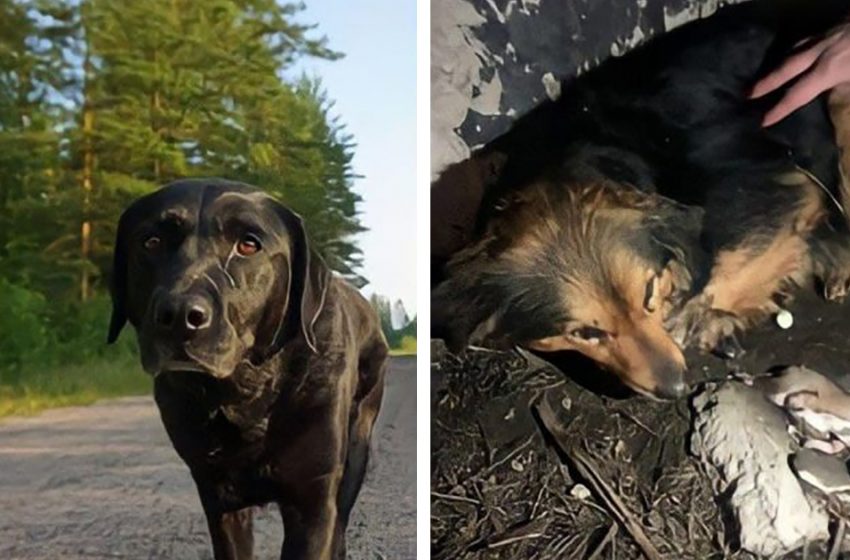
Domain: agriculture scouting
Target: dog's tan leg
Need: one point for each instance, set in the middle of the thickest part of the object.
(744, 280)
(831, 249)
(839, 112)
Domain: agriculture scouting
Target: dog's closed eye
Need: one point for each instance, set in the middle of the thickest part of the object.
(592, 335)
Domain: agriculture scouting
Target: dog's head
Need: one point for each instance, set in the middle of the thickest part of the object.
(593, 268)
(210, 273)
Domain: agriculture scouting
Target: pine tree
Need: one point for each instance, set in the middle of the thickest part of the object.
(33, 72)
(154, 91)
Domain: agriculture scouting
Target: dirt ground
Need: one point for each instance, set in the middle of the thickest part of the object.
(103, 482)
(528, 459)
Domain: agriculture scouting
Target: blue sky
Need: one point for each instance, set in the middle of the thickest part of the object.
(374, 88)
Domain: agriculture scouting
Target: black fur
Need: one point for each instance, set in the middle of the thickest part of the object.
(672, 118)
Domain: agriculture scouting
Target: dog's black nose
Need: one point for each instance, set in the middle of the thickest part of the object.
(670, 381)
(188, 314)
(674, 391)
(198, 316)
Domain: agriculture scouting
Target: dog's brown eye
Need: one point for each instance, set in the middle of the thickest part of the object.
(248, 245)
(589, 334)
(152, 243)
(648, 297)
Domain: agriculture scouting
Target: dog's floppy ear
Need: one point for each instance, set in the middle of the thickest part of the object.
(461, 323)
(118, 283)
(309, 279)
(468, 308)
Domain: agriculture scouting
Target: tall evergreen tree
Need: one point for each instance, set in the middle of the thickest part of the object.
(102, 101)
(33, 72)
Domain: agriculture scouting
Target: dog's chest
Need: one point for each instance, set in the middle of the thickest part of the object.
(213, 424)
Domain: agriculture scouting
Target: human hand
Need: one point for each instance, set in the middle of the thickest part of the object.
(821, 66)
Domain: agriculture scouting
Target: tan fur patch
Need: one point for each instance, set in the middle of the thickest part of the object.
(810, 209)
(839, 112)
(743, 281)
(368, 412)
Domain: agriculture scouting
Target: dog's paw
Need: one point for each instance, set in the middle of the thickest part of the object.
(710, 330)
(684, 324)
(718, 335)
(831, 268)
(728, 347)
(836, 286)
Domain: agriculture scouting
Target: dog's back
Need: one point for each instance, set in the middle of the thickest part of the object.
(681, 103)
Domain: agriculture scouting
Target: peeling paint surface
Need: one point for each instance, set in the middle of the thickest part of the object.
(494, 60)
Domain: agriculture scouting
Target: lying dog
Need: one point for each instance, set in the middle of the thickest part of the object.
(647, 210)
(268, 370)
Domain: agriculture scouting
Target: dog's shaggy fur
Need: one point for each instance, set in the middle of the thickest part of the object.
(647, 210)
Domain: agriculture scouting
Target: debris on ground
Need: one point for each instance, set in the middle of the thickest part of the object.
(580, 492)
(540, 460)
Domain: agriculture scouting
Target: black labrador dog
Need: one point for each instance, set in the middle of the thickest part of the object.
(269, 371)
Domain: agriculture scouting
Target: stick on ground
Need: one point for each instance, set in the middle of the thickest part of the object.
(838, 540)
(586, 468)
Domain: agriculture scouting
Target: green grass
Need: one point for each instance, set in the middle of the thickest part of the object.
(36, 389)
(72, 385)
(406, 348)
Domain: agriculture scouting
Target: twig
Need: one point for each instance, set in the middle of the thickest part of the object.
(587, 469)
(633, 418)
(568, 543)
(837, 541)
(455, 498)
(511, 540)
(532, 530)
(543, 488)
(513, 453)
(612, 531)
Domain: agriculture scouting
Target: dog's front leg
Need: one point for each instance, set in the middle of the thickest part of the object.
(310, 526)
(231, 532)
(839, 112)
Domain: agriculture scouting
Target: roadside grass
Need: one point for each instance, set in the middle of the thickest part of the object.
(407, 347)
(72, 385)
(35, 389)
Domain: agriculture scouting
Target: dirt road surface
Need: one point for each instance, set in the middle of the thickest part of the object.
(103, 482)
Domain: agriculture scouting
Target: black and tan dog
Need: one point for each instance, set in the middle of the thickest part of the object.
(269, 371)
(647, 210)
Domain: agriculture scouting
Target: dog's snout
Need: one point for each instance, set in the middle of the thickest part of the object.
(187, 314)
(674, 391)
(671, 382)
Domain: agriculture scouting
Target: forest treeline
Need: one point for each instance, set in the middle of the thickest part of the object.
(101, 101)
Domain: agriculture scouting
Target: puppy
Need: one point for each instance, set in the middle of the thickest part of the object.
(268, 370)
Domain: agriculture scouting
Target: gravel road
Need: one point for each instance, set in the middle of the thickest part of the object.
(103, 482)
